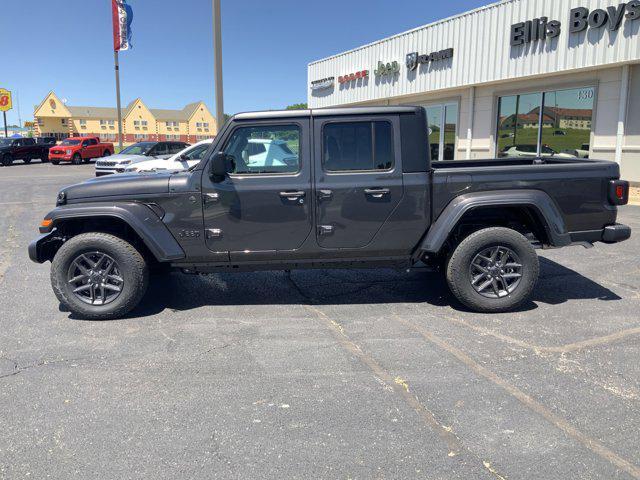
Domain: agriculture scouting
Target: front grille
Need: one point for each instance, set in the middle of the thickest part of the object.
(57, 152)
(106, 164)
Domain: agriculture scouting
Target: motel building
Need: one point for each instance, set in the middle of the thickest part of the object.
(515, 78)
(55, 118)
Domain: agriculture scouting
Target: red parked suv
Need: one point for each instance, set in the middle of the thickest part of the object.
(79, 149)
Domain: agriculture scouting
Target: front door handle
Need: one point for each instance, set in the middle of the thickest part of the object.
(211, 198)
(377, 192)
(293, 195)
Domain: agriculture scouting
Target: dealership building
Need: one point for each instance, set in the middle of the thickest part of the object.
(514, 78)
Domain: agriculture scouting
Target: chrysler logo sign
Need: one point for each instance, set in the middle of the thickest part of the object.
(323, 83)
(414, 59)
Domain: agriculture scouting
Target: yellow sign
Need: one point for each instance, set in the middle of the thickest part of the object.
(5, 100)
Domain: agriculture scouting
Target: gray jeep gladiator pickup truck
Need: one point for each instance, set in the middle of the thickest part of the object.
(331, 188)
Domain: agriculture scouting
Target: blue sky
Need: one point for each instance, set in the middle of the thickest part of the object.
(66, 46)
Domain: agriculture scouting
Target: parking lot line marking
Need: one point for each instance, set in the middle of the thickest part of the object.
(402, 388)
(570, 347)
(6, 249)
(526, 400)
(594, 342)
(452, 442)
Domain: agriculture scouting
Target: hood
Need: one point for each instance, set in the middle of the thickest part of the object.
(121, 158)
(119, 185)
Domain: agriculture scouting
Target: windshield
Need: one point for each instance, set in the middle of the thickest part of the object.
(70, 142)
(138, 149)
(5, 141)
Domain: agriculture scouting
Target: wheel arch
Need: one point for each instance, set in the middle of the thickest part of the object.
(533, 207)
(134, 222)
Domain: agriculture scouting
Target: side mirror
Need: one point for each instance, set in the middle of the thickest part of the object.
(183, 158)
(221, 165)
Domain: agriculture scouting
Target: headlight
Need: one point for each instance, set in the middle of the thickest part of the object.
(68, 152)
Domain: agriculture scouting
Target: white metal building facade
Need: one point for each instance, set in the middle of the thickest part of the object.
(523, 77)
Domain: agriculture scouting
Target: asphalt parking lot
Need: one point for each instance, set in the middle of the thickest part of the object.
(321, 374)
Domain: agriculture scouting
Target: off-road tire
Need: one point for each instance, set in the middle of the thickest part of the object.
(459, 277)
(77, 159)
(44, 159)
(27, 160)
(7, 160)
(132, 266)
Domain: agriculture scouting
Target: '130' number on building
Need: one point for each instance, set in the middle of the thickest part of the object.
(585, 94)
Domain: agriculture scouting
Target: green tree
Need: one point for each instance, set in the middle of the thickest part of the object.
(297, 106)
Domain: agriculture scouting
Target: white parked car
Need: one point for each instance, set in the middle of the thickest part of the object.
(183, 160)
(261, 152)
(136, 153)
(531, 151)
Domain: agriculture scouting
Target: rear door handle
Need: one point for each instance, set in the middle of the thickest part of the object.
(297, 195)
(325, 194)
(377, 192)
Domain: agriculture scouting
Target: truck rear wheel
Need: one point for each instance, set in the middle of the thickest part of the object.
(77, 159)
(493, 270)
(99, 276)
(7, 160)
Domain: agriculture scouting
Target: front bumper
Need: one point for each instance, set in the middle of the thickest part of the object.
(39, 251)
(100, 171)
(60, 158)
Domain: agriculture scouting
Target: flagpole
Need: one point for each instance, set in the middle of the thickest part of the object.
(117, 68)
(217, 63)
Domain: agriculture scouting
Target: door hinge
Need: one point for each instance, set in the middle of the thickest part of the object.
(325, 229)
(214, 233)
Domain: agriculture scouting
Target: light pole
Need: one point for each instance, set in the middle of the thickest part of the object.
(217, 63)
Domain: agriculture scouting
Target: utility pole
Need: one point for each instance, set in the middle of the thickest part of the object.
(117, 67)
(217, 63)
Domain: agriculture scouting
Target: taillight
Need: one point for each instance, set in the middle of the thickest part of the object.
(618, 192)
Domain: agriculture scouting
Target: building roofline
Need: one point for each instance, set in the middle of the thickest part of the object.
(422, 27)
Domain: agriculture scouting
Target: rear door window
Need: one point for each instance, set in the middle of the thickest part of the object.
(358, 146)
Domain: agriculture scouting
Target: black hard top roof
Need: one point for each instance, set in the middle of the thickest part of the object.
(326, 112)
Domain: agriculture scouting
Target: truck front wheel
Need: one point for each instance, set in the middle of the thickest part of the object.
(7, 160)
(99, 276)
(493, 270)
(77, 159)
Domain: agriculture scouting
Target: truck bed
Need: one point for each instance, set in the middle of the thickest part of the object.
(578, 186)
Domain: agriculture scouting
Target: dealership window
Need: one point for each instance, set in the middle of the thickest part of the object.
(358, 146)
(443, 126)
(546, 124)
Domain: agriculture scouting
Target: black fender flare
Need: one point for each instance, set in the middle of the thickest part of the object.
(537, 199)
(140, 217)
